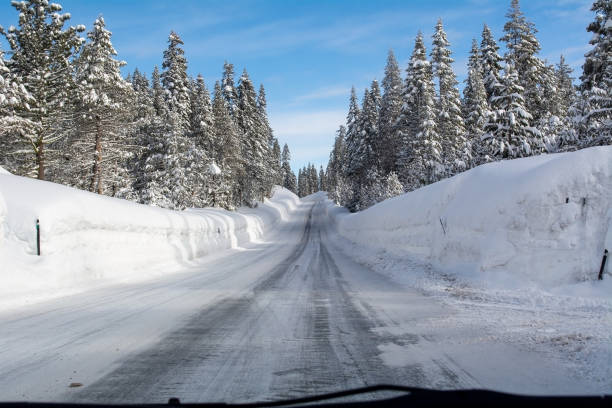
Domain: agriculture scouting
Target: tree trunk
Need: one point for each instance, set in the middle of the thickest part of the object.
(40, 160)
(96, 178)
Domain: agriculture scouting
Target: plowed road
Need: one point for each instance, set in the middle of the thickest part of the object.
(288, 317)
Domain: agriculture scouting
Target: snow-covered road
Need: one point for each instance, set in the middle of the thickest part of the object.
(290, 316)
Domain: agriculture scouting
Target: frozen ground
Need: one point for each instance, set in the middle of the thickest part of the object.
(308, 299)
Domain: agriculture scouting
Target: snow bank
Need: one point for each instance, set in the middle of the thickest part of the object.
(539, 220)
(88, 239)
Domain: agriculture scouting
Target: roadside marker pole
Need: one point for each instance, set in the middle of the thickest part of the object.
(37, 237)
(603, 264)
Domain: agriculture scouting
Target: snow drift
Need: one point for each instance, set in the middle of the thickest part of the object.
(88, 239)
(539, 220)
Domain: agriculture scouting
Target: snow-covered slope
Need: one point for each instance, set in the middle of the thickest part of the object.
(88, 240)
(538, 220)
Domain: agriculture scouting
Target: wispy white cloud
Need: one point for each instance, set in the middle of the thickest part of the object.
(295, 124)
(309, 134)
(324, 93)
(357, 33)
(569, 10)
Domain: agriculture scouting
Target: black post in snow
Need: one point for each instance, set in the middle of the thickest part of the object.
(37, 237)
(603, 264)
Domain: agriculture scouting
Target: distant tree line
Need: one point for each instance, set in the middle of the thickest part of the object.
(419, 129)
(67, 115)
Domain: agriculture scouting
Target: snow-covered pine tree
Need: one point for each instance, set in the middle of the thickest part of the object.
(157, 93)
(366, 156)
(254, 141)
(335, 166)
(376, 101)
(596, 86)
(229, 89)
(508, 132)
(390, 111)
(552, 124)
(143, 97)
(565, 86)
(475, 105)
(300, 183)
(393, 187)
(523, 47)
(272, 161)
(490, 61)
(275, 164)
(42, 52)
(173, 170)
(142, 117)
(567, 102)
(14, 102)
(350, 151)
(456, 154)
(150, 168)
(289, 180)
(201, 119)
(176, 83)
(227, 153)
(322, 179)
(100, 150)
(372, 190)
(313, 179)
(419, 159)
(365, 162)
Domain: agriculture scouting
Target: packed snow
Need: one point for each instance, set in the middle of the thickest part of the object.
(514, 247)
(88, 240)
(539, 221)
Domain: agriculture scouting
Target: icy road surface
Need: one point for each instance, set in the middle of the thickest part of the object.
(287, 317)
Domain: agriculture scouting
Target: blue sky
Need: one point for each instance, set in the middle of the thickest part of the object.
(309, 53)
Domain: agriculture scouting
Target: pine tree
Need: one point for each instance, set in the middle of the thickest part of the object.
(272, 163)
(393, 186)
(322, 179)
(366, 157)
(372, 190)
(313, 179)
(173, 170)
(201, 119)
(419, 159)
(143, 119)
(227, 152)
(14, 100)
(350, 152)
(490, 61)
(42, 51)
(451, 127)
(553, 124)
(254, 143)
(142, 96)
(566, 101)
(565, 86)
(275, 165)
(390, 111)
(596, 78)
(157, 93)
(508, 132)
(523, 48)
(176, 84)
(228, 88)
(335, 177)
(100, 150)
(475, 105)
(289, 180)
